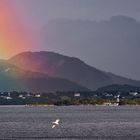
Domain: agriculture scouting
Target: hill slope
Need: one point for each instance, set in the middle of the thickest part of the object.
(118, 88)
(14, 78)
(71, 68)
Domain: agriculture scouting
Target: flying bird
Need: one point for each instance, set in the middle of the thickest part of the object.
(56, 123)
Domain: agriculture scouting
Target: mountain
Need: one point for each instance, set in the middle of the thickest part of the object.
(111, 45)
(57, 65)
(118, 88)
(13, 78)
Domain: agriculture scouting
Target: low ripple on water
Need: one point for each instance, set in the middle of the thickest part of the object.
(78, 122)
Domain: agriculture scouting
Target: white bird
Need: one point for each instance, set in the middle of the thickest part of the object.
(56, 123)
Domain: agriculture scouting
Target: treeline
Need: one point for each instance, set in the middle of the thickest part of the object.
(80, 102)
(61, 102)
(130, 102)
(97, 102)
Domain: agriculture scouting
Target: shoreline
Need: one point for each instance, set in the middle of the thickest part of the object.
(68, 105)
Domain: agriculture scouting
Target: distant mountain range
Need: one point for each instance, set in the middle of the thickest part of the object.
(64, 67)
(112, 43)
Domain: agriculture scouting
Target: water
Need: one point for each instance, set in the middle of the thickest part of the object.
(77, 122)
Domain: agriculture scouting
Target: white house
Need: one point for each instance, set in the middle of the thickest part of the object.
(133, 93)
(77, 95)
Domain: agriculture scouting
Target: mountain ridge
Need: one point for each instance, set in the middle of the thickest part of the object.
(74, 69)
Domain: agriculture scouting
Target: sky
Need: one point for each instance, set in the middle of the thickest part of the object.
(38, 12)
(14, 34)
(20, 20)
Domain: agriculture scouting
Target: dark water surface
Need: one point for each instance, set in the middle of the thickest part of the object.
(77, 123)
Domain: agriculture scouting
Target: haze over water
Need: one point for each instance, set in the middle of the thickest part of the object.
(77, 122)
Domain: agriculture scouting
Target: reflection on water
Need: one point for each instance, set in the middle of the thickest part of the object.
(77, 122)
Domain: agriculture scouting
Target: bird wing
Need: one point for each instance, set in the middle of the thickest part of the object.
(53, 126)
(57, 121)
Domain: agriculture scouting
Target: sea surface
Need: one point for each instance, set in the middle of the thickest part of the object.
(76, 123)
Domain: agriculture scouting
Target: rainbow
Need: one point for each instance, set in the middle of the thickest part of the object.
(13, 36)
